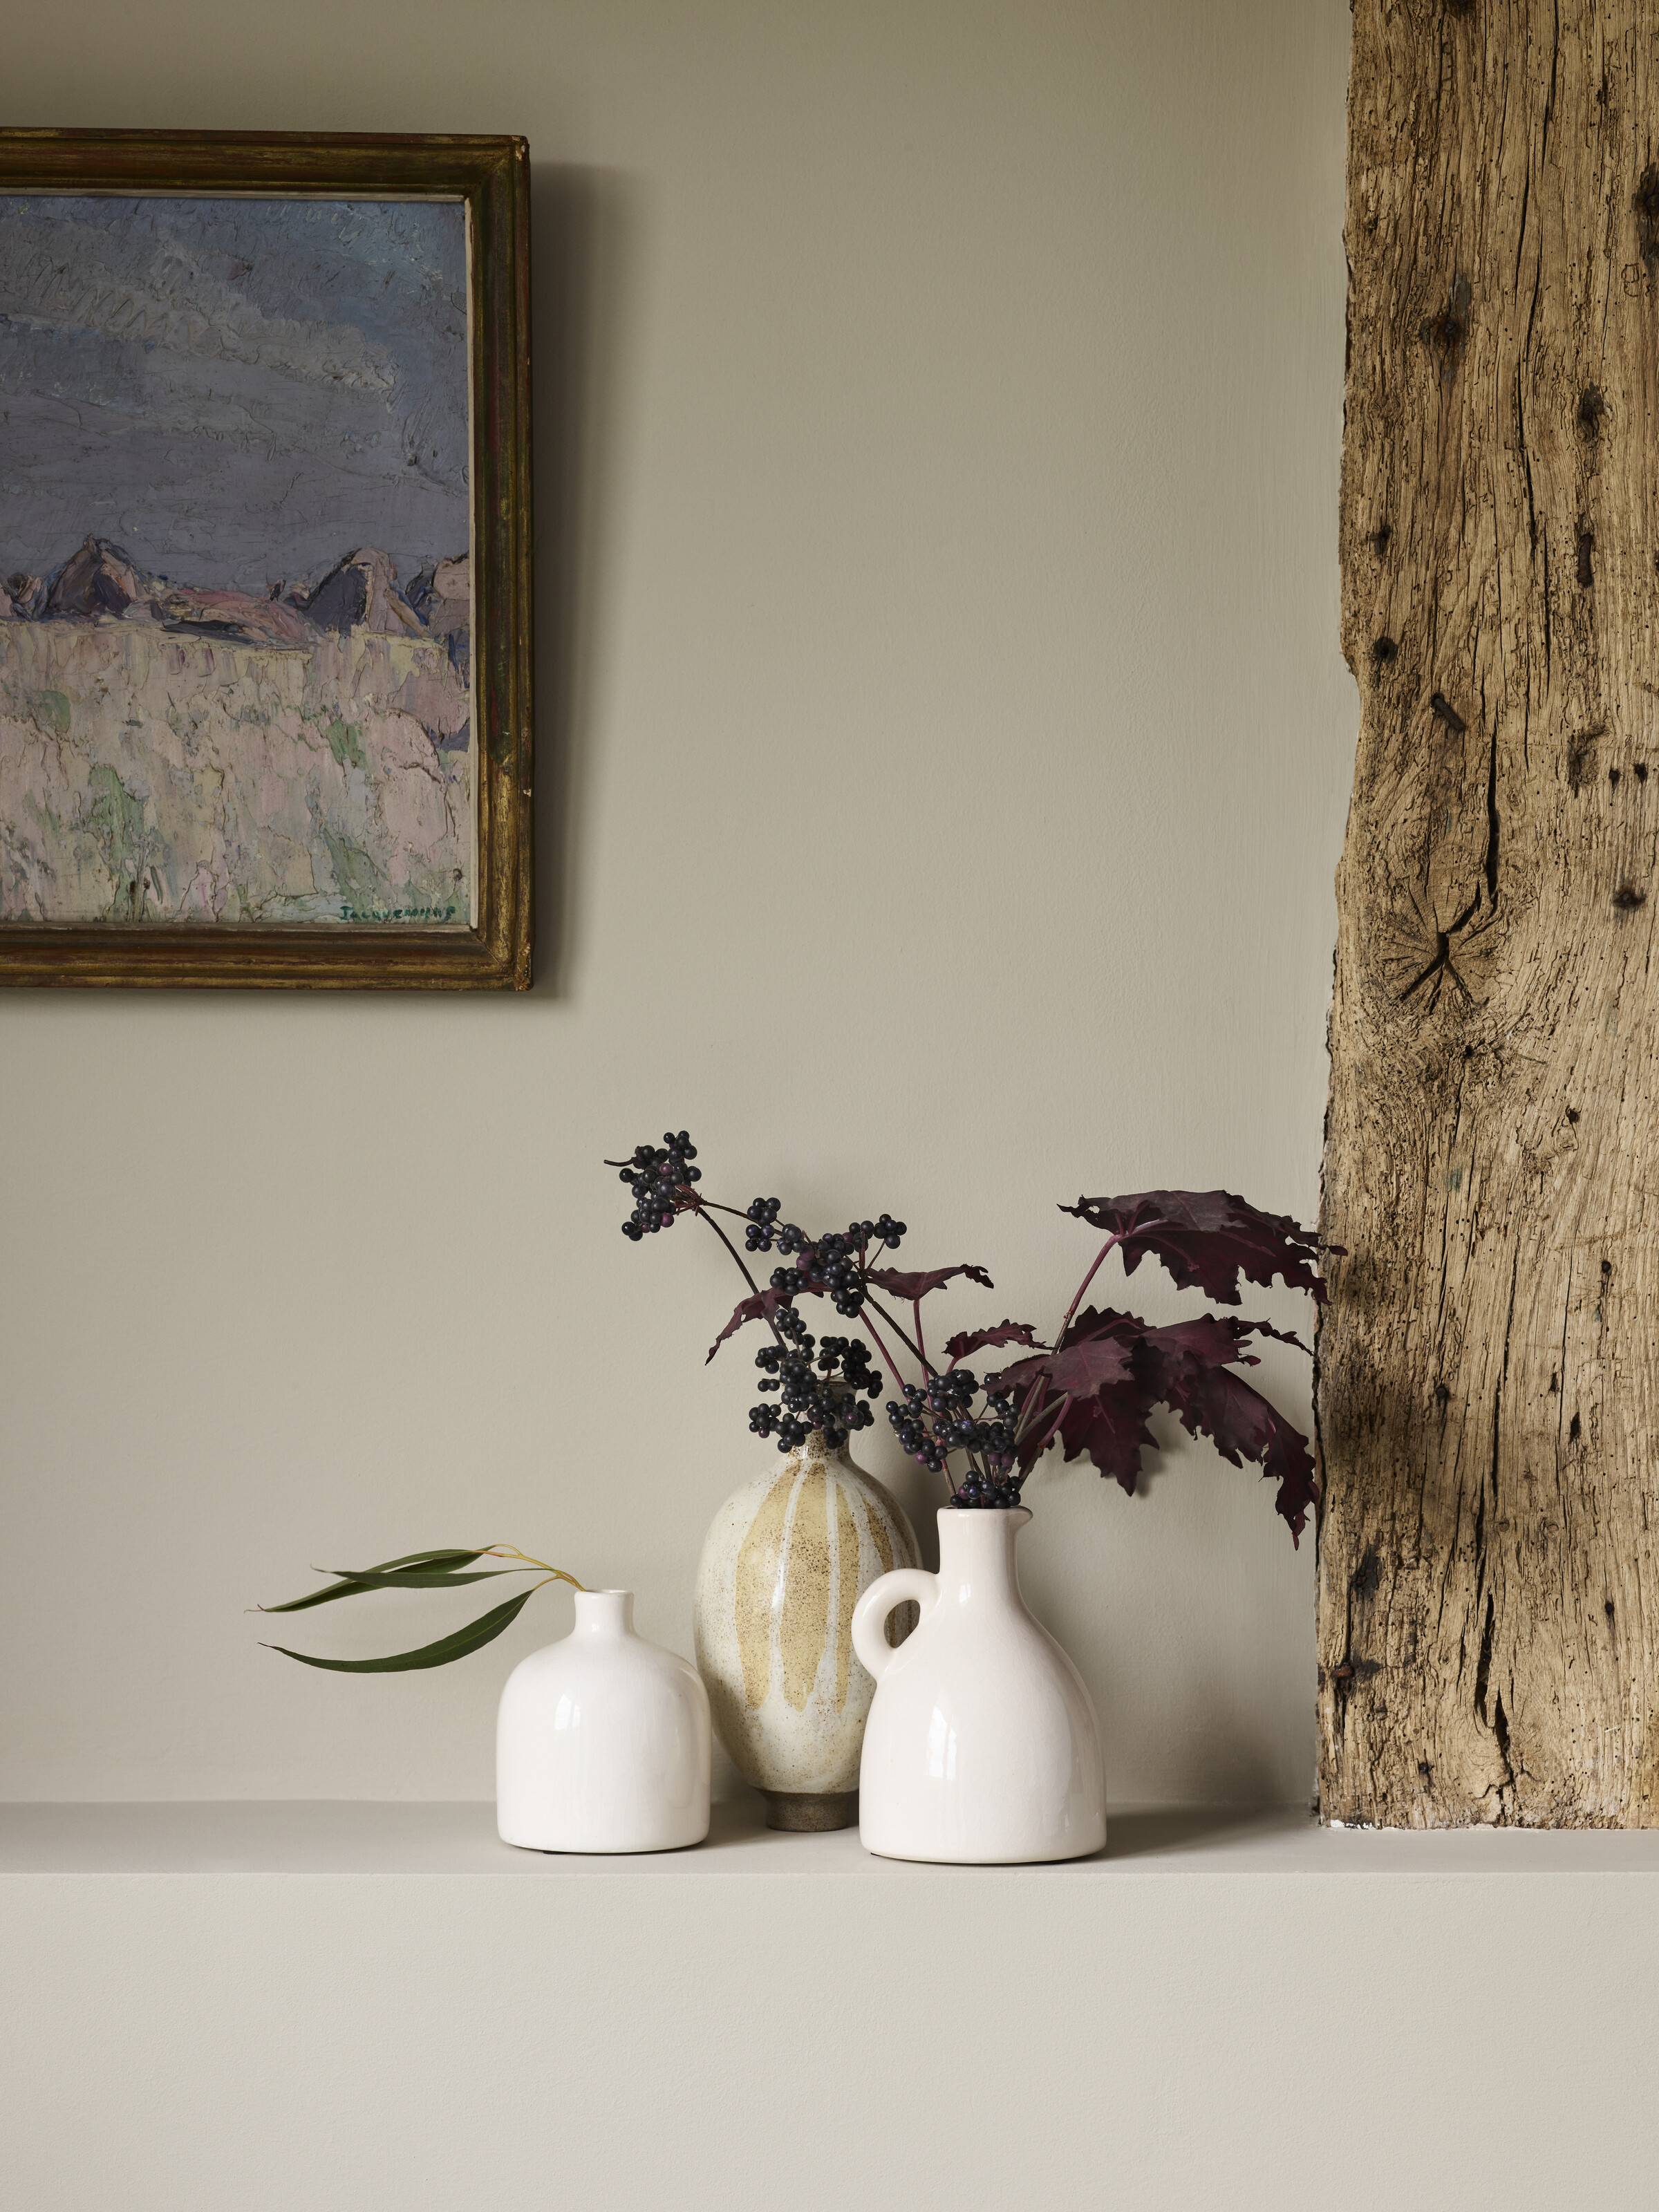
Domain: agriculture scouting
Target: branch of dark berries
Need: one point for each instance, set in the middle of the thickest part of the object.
(806, 1384)
(811, 1384)
(1090, 1390)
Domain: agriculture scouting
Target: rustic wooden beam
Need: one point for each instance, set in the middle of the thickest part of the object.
(1488, 1386)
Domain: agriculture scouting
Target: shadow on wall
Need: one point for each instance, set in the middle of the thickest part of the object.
(581, 223)
(1203, 1697)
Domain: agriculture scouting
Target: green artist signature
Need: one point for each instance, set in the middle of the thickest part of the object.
(399, 913)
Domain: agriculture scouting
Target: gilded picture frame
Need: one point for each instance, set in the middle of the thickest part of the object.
(243, 355)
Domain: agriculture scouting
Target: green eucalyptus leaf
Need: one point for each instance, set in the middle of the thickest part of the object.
(484, 1630)
(352, 1588)
(354, 1585)
(415, 1559)
(433, 1570)
(418, 1578)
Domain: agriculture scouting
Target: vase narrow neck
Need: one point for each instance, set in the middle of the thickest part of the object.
(976, 1554)
(604, 1612)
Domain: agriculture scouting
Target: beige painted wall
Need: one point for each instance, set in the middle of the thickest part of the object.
(938, 434)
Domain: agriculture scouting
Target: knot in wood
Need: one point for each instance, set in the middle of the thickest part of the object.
(1447, 333)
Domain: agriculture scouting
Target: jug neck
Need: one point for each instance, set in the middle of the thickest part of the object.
(604, 1612)
(976, 1553)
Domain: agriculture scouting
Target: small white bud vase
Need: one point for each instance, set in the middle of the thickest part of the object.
(981, 1747)
(602, 1741)
(786, 1560)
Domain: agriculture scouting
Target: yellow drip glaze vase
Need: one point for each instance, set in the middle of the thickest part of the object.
(786, 1559)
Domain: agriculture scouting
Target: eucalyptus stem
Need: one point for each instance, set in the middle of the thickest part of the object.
(553, 1573)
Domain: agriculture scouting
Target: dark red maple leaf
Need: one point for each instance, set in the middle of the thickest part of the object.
(1110, 1430)
(1283, 1335)
(1189, 1368)
(762, 1307)
(1084, 1365)
(1165, 1355)
(1093, 1394)
(975, 1339)
(1206, 1239)
(1086, 1392)
(912, 1287)
(1242, 1424)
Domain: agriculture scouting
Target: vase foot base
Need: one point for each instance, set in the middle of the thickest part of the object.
(808, 1813)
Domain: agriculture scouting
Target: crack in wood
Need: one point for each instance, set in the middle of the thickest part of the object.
(1483, 1665)
(1441, 965)
(1646, 204)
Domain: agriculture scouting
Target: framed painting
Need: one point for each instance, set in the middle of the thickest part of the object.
(264, 561)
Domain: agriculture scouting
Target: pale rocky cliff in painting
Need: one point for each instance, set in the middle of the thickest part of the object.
(174, 754)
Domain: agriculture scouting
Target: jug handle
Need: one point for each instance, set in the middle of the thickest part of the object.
(870, 1614)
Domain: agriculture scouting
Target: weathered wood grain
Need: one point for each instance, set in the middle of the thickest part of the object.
(1488, 1395)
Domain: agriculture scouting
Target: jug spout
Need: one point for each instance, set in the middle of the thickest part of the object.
(977, 1561)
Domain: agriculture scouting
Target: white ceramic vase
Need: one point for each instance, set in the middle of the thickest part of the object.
(786, 1559)
(982, 1746)
(602, 1741)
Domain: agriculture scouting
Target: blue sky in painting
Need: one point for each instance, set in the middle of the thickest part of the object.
(236, 392)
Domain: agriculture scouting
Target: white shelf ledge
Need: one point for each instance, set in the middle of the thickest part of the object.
(297, 1836)
(260, 2006)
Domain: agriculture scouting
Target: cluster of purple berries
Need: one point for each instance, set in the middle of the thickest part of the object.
(937, 1418)
(764, 1233)
(833, 1261)
(826, 1385)
(659, 1176)
(819, 1385)
(995, 1490)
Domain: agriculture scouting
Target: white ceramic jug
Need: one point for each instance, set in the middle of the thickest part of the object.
(603, 1740)
(981, 1746)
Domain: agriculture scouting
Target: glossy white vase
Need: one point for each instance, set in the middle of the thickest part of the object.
(981, 1747)
(602, 1741)
(785, 1559)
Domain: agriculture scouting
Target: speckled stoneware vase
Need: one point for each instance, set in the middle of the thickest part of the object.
(787, 1557)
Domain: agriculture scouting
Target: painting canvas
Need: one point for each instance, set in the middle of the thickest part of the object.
(235, 571)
